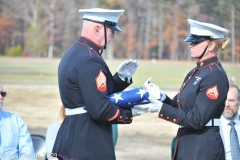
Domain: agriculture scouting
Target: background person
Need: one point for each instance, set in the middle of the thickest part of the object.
(85, 80)
(200, 101)
(52, 132)
(230, 114)
(15, 140)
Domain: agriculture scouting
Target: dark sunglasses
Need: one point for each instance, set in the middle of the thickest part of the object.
(3, 93)
(196, 42)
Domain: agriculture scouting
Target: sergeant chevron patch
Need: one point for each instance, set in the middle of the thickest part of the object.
(212, 92)
(101, 81)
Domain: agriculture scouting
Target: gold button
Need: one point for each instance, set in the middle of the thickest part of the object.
(120, 116)
(90, 47)
(174, 120)
(178, 100)
(126, 117)
(100, 51)
(131, 117)
(167, 117)
(201, 64)
(161, 115)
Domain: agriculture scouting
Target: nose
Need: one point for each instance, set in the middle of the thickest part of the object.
(113, 34)
(226, 103)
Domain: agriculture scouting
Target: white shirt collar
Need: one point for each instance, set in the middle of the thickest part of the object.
(226, 121)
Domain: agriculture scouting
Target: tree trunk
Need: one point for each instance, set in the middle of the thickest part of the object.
(233, 30)
(51, 29)
(160, 32)
(148, 30)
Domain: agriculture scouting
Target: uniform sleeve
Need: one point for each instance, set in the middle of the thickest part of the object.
(209, 101)
(119, 84)
(171, 102)
(26, 149)
(96, 83)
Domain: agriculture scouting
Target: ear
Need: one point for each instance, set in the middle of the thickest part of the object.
(212, 46)
(97, 29)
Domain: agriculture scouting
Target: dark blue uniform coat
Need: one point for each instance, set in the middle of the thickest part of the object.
(85, 80)
(200, 99)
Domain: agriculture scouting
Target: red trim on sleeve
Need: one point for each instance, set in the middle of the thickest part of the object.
(115, 116)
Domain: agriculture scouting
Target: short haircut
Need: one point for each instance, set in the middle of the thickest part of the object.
(235, 86)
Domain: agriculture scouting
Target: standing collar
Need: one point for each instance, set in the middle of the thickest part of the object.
(207, 61)
(91, 44)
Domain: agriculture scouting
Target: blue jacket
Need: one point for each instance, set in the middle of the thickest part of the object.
(15, 140)
(85, 80)
(201, 98)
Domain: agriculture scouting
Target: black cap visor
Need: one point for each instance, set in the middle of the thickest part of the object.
(196, 39)
(109, 24)
(115, 28)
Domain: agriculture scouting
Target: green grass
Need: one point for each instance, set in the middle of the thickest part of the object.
(32, 70)
(167, 74)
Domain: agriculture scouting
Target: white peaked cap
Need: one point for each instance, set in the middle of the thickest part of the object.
(104, 16)
(206, 29)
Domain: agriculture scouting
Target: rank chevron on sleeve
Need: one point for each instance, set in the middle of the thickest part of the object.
(212, 92)
(101, 81)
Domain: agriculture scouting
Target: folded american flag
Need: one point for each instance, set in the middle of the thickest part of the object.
(129, 98)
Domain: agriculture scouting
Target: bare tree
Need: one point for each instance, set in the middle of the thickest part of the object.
(160, 30)
(233, 30)
(50, 10)
(147, 30)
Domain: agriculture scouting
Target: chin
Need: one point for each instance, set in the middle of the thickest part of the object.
(228, 115)
(193, 56)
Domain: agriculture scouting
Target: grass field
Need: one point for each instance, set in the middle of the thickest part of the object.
(32, 93)
(167, 74)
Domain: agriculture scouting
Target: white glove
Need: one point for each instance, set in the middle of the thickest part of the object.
(126, 69)
(138, 112)
(156, 105)
(154, 90)
(152, 107)
(143, 106)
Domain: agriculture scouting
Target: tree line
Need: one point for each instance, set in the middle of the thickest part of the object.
(151, 29)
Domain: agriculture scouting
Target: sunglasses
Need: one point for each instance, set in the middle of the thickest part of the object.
(3, 93)
(196, 42)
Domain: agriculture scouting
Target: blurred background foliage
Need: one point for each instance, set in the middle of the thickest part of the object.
(152, 29)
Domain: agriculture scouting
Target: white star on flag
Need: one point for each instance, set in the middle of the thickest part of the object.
(141, 92)
(117, 97)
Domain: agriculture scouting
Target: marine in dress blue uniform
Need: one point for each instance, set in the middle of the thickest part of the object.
(200, 101)
(85, 80)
